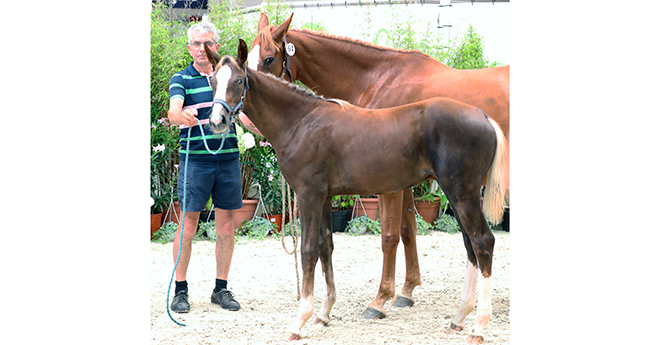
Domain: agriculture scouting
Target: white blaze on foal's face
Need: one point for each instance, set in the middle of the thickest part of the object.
(253, 58)
(223, 76)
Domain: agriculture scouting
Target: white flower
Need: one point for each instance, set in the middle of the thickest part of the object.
(158, 148)
(248, 140)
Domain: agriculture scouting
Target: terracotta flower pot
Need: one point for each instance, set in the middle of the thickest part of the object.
(245, 213)
(156, 222)
(277, 220)
(370, 207)
(428, 210)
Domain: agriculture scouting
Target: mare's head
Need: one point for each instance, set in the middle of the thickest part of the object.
(229, 83)
(268, 49)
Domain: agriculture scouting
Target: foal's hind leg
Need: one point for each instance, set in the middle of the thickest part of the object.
(479, 244)
(409, 238)
(390, 219)
(325, 252)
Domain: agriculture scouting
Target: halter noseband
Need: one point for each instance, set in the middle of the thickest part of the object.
(239, 105)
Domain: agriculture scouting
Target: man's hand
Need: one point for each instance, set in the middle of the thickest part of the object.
(179, 116)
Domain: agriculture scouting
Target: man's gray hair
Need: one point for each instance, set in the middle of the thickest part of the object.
(202, 28)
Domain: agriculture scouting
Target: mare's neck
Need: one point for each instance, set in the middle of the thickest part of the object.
(342, 68)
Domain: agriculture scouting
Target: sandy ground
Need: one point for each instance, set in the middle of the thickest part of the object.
(263, 279)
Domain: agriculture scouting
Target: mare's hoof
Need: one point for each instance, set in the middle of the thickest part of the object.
(373, 313)
(456, 328)
(319, 321)
(292, 336)
(403, 301)
(475, 339)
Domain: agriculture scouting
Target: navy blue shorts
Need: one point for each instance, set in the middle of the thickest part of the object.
(220, 180)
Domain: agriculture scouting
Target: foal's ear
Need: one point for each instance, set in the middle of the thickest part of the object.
(242, 51)
(213, 57)
(263, 21)
(282, 30)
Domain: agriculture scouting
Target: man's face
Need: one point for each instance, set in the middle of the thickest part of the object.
(196, 48)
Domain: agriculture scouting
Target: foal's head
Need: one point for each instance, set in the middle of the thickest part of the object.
(229, 83)
(267, 54)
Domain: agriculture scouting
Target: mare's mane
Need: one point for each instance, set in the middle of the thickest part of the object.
(357, 42)
(266, 39)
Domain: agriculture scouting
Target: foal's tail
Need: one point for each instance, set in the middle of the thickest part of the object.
(495, 185)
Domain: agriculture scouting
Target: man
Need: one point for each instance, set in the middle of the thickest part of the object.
(216, 175)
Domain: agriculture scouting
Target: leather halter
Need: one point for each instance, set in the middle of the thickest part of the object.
(285, 64)
(239, 106)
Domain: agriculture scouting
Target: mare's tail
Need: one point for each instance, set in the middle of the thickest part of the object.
(495, 185)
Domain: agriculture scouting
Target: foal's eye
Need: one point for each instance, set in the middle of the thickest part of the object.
(269, 61)
(239, 82)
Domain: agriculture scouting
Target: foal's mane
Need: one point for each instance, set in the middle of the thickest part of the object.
(297, 89)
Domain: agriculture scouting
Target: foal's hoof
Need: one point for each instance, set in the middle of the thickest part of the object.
(292, 336)
(373, 313)
(403, 301)
(475, 339)
(456, 328)
(319, 321)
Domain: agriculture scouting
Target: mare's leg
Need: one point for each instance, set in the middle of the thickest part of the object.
(310, 216)
(390, 221)
(325, 248)
(479, 244)
(409, 239)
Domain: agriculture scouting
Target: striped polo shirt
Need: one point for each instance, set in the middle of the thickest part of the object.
(196, 92)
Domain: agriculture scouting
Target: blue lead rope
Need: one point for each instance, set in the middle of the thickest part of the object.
(183, 218)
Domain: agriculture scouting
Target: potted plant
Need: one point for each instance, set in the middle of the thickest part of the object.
(429, 198)
(267, 176)
(257, 228)
(365, 205)
(164, 160)
(361, 224)
(341, 208)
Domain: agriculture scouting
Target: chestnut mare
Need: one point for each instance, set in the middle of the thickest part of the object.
(327, 148)
(377, 77)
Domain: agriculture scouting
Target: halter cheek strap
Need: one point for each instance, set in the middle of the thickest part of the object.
(285, 64)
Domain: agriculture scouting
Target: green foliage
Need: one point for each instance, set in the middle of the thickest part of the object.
(468, 52)
(402, 33)
(343, 202)
(166, 233)
(423, 227)
(206, 229)
(231, 25)
(164, 157)
(447, 224)
(359, 225)
(314, 27)
(168, 56)
(255, 229)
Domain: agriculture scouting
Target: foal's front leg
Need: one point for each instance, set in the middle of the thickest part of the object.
(326, 247)
(390, 215)
(409, 239)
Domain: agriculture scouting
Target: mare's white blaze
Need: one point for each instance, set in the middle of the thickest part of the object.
(305, 310)
(469, 294)
(253, 58)
(222, 77)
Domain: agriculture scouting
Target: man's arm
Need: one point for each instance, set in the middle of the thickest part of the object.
(178, 116)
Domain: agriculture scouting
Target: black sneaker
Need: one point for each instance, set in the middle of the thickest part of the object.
(180, 302)
(225, 299)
